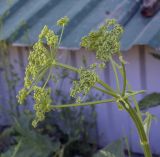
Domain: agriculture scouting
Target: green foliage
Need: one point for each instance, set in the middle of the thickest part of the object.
(149, 101)
(78, 148)
(114, 149)
(30, 142)
(51, 137)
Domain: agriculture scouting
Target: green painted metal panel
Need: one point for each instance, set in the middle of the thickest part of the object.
(22, 20)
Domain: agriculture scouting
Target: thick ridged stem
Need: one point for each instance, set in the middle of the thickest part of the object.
(138, 123)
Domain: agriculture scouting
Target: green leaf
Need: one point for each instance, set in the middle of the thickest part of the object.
(149, 101)
(32, 143)
(114, 149)
(35, 145)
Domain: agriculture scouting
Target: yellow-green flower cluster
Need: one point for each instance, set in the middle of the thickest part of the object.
(42, 103)
(63, 21)
(39, 61)
(105, 41)
(88, 79)
(50, 36)
(22, 95)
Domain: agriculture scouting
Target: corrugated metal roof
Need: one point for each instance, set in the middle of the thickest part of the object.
(22, 20)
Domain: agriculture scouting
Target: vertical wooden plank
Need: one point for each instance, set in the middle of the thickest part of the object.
(152, 72)
(142, 62)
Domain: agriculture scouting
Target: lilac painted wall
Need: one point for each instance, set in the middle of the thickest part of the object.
(143, 73)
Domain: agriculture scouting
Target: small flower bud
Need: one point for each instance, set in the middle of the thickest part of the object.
(63, 21)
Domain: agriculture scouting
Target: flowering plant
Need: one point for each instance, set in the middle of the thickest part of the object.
(105, 42)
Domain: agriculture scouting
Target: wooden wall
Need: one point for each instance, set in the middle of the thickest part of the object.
(143, 72)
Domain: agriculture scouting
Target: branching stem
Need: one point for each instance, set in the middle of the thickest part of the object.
(65, 66)
(84, 104)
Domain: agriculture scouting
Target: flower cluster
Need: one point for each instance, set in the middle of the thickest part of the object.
(88, 79)
(50, 36)
(39, 61)
(37, 66)
(63, 21)
(42, 103)
(105, 41)
(22, 95)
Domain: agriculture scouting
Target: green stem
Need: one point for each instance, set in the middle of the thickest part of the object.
(110, 92)
(124, 78)
(107, 92)
(116, 74)
(139, 125)
(133, 96)
(105, 85)
(127, 145)
(136, 103)
(49, 75)
(41, 73)
(61, 36)
(53, 52)
(84, 104)
(65, 66)
(17, 148)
